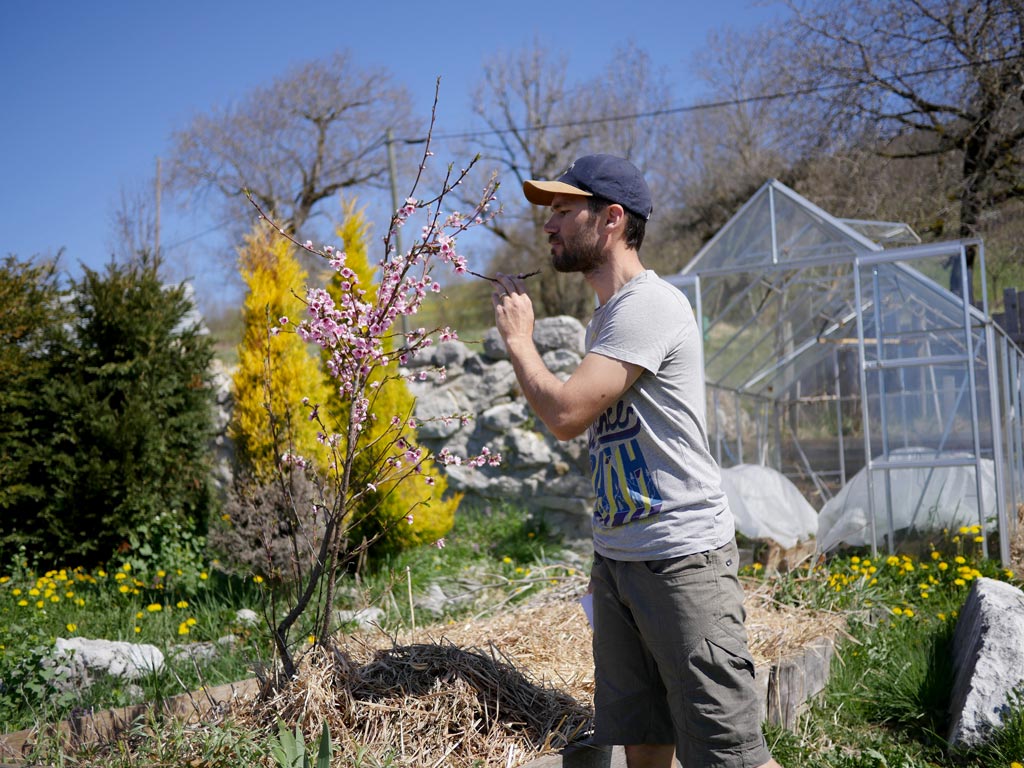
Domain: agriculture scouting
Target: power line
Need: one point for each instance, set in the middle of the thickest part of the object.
(806, 91)
(388, 140)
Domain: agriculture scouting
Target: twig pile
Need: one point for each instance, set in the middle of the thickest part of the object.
(434, 698)
(427, 705)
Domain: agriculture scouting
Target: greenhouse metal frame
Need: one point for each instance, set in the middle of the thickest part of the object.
(841, 353)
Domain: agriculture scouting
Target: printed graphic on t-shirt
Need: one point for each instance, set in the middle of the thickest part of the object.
(623, 483)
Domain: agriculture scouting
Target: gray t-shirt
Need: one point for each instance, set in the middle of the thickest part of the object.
(658, 488)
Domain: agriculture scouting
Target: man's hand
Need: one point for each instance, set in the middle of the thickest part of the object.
(513, 309)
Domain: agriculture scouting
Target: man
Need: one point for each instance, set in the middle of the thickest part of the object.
(673, 672)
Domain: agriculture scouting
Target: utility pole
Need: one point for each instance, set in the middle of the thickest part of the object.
(389, 139)
(156, 244)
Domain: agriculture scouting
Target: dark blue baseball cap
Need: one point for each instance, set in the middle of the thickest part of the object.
(613, 178)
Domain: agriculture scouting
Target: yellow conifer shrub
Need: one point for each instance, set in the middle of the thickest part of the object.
(423, 495)
(274, 276)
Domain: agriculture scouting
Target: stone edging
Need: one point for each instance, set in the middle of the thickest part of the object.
(94, 727)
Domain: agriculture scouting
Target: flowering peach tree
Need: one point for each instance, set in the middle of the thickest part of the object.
(365, 341)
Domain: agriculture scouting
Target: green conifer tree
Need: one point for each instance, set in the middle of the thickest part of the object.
(276, 369)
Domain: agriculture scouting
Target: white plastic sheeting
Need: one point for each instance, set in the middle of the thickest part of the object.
(928, 498)
(767, 505)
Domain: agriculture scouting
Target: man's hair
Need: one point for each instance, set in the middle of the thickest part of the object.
(636, 225)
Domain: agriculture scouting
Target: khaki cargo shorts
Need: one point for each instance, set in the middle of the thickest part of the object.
(671, 658)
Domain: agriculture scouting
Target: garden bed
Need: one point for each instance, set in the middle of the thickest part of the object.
(502, 688)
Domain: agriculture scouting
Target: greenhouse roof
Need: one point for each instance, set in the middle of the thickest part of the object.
(778, 294)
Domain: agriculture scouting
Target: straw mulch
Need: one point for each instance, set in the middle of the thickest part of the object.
(497, 691)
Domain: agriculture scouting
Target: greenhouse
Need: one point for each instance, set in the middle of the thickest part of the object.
(841, 353)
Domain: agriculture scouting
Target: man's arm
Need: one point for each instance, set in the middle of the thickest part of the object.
(566, 408)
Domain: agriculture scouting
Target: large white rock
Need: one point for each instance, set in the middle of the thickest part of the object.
(988, 660)
(115, 657)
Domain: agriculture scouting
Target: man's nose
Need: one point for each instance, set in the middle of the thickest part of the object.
(550, 227)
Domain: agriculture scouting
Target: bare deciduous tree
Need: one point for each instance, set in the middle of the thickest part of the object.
(950, 73)
(540, 122)
(301, 139)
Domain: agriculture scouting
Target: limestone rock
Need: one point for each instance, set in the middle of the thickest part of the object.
(364, 618)
(988, 660)
(80, 655)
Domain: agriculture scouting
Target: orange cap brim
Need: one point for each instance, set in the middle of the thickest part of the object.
(543, 192)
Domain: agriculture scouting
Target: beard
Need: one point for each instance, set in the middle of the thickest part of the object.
(580, 253)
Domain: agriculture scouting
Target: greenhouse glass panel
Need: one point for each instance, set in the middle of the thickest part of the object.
(854, 367)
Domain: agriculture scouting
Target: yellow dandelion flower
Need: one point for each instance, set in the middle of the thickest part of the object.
(40, 603)
(127, 567)
(258, 579)
(80, 602)
(161, 574)
(854, 560)
(34, 592)
(120, 576)
(506, 559)
(23, 602)
(942, 617)
(959, 560)
(154, 607)
(182, 604)
(139, 615)
(935, 555)
(964, 529)
(959, 582)
(203, 576)
(4, 579)
(943, 566)
(124, 589)
(978, 539)
(183, 628)
(1008, 573)
(908, 613)
(190, 621)
(898, 611)
(311, 639)
(138, 630)
(15, 591)
(71, 626)
(955, 539)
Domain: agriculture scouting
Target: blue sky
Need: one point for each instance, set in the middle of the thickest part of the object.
(93, 89)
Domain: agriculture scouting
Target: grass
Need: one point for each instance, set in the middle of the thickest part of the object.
(492, 554)
(885, 704)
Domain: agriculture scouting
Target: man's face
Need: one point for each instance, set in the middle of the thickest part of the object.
(574, 235)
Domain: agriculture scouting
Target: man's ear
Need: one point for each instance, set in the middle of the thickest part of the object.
(615, 216)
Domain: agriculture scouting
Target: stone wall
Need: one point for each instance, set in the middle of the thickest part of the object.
(551, 477)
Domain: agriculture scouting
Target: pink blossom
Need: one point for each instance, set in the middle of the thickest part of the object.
(440, 544)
